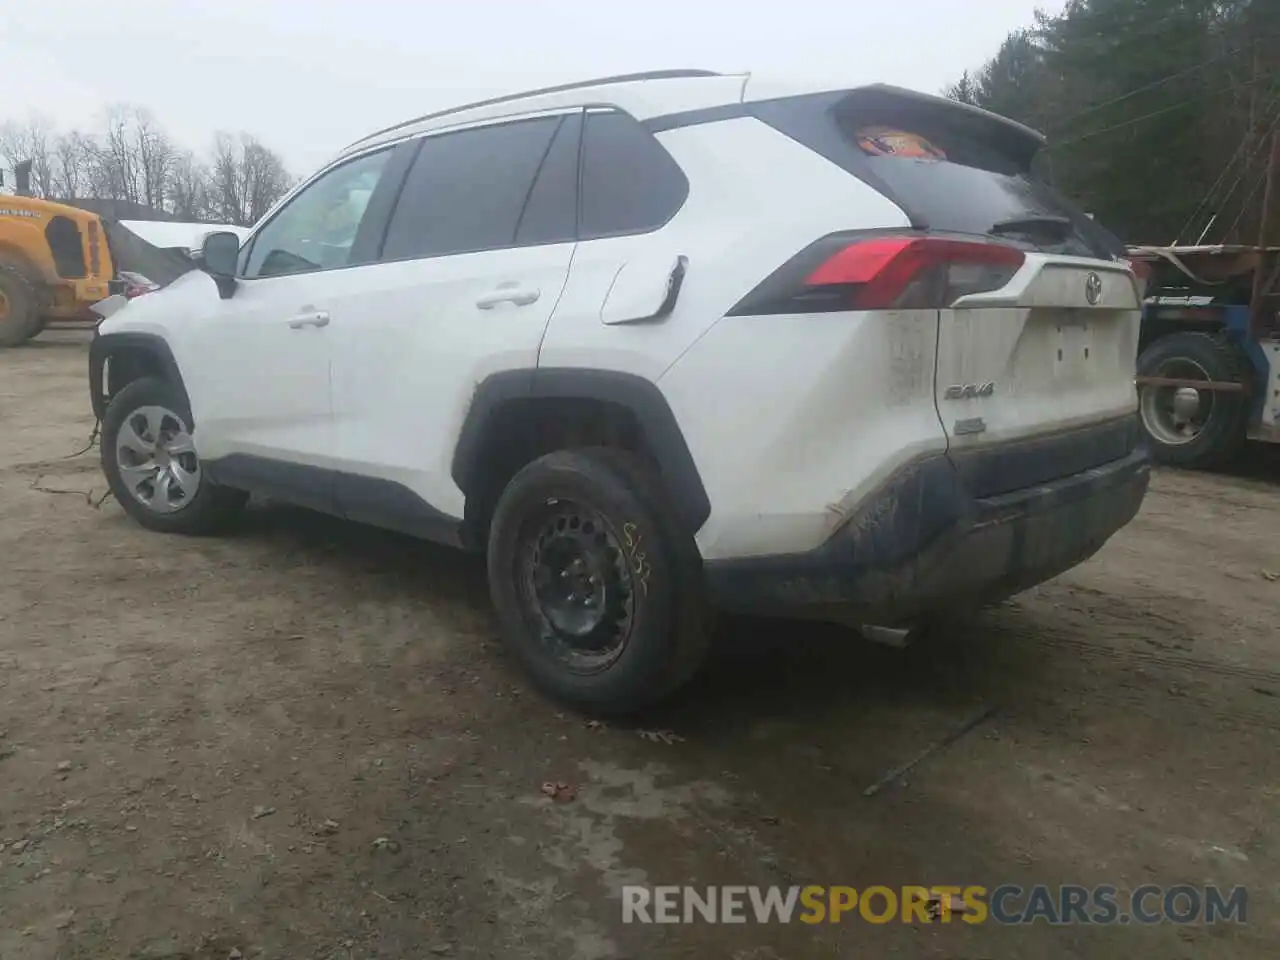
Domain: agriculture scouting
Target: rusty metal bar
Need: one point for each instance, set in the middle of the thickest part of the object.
(1258, 316)
(1217, 386)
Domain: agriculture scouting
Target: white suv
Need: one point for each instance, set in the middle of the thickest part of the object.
(660, 345)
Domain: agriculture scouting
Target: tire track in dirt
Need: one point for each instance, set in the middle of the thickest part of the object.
(1052, 637)
(1131, 677)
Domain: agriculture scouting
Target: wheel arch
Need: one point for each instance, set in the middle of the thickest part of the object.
(502, 398)
(118, 359)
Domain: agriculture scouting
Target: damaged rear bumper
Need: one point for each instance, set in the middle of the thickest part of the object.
(924, 544)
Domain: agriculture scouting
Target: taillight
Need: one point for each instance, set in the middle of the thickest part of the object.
(135, 284)
(841, 273)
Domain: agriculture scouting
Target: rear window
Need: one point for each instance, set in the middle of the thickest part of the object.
(951, 170)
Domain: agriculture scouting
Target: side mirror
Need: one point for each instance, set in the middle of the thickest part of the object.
(218, 255)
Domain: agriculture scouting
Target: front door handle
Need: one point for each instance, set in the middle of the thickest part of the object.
(509, 293)
(316, 318)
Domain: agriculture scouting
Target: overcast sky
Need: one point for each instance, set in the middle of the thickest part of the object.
(309, 76)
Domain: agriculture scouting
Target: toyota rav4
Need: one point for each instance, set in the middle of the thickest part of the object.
(659, 345)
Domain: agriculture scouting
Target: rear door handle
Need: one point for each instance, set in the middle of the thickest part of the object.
(509, 293)
(316, 318)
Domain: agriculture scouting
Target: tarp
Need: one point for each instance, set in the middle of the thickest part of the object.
(178, 235)
(161, 251)
(133, 254)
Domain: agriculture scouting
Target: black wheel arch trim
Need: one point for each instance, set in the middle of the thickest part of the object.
(105, 344)
(640, 396)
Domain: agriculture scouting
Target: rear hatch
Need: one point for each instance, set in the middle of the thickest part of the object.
(1038, 314)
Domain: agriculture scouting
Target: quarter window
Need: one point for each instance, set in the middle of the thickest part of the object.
(630, 184)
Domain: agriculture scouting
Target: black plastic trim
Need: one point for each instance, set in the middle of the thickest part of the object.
(693, 118)
(998, 470)
(298, 484)
(104, 345)
(393, 506)
(923, 547)
(371, 234)
(640, 396)
(371, 500)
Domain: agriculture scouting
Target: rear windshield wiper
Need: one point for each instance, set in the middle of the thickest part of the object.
(1054, 228)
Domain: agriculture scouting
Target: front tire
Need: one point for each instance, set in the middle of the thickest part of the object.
(19, 307)
(151, 464)
(597, 587)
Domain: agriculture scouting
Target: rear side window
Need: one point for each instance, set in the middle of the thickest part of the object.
(551, 211)
(630, 184)
(467, 190)
(952, 171)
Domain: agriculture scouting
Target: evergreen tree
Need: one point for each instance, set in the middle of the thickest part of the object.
(1158, 111)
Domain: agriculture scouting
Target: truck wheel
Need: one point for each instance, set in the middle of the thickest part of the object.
(19, 307)
(151, 463)
(1186, 427)
(597, 587)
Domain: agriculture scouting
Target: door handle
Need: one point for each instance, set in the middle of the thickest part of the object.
(509, 293)
(316, 318)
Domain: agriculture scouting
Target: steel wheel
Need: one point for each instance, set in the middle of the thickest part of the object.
(1177, 415)
(156, 459)
(575, 585)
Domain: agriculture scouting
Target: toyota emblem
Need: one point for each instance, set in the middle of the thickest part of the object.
(1093, 289)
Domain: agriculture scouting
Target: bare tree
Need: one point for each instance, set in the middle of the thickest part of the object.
(133, 159)
(248, 178)
(29, 141)
(189, 188)
(116, 163)
(155, 152)
(72, 153)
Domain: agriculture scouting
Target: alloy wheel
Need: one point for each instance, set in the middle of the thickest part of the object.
(156, 459)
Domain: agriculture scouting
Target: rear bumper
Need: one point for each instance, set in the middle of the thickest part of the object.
(925, 544)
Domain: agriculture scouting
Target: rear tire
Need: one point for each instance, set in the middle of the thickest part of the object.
(1182, 429)
(19, 307)
(152, 467)
(597, 586)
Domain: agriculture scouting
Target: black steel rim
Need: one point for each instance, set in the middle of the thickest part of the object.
(576, 586)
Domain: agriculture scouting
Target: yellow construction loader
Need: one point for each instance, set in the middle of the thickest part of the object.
(55, 262)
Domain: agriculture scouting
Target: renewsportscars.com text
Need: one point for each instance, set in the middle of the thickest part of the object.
(1008, 904)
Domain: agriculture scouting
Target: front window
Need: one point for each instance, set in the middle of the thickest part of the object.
(317, 229)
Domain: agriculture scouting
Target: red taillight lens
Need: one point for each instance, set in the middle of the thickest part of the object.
(136, 285)
(915, 272)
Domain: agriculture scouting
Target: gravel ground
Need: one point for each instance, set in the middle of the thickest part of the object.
(303, 740)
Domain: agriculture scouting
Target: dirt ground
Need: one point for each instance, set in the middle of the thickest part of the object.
(303, 741)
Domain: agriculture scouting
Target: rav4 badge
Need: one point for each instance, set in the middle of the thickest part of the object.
(969, 391)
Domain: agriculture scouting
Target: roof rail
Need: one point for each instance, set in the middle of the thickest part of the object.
(560, 88)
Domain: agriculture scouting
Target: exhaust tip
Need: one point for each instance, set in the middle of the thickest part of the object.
(899, 637)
